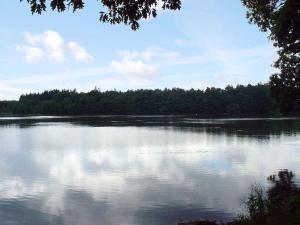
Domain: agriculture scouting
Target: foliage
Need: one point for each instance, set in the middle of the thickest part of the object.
(279, 205)
(256, 204)
(281, 19)
(6, 107)
(242, 101)
(117, 11)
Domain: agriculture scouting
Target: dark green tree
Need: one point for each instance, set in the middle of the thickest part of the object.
(115, 11)
(281, 19)
(242, 101)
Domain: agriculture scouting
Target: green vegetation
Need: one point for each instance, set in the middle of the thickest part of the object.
(279, 205)
(281, 19)
(241, 101)
(115, 12)
(7, 107)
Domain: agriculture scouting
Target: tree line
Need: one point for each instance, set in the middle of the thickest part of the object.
(239, 101)
(279, 18)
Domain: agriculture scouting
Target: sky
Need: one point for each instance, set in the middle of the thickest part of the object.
(205, 44)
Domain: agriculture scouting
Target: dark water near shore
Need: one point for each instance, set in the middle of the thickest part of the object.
(136, 170)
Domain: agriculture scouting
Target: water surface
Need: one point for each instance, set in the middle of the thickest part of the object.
(136, 170)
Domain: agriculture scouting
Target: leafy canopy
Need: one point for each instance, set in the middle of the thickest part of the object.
(281, 19)
(117, 11)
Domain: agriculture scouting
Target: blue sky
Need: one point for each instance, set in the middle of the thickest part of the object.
(207, 43)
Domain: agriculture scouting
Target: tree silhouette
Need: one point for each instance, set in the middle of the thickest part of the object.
(281, 19)
(128, 12)
(241, 101)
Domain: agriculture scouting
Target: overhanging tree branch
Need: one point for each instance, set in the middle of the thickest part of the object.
(128, 12)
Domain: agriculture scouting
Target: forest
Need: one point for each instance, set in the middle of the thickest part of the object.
(239, 101)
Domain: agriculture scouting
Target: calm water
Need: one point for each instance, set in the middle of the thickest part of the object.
(136, 170)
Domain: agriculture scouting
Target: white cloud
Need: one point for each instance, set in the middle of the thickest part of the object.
(141, 67)
(51, 45)
(134, 68)
(152, 53)
(54, 45)
(137, 67)
(222, 67)
(32, 54)
(133, 55)
(79, 52)
(32, 39)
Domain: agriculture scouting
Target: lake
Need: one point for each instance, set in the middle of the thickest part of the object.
(137, 170)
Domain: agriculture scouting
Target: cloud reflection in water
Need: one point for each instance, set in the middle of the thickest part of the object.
(69, 174)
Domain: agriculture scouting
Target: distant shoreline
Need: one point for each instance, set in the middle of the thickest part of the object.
(251, 101)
